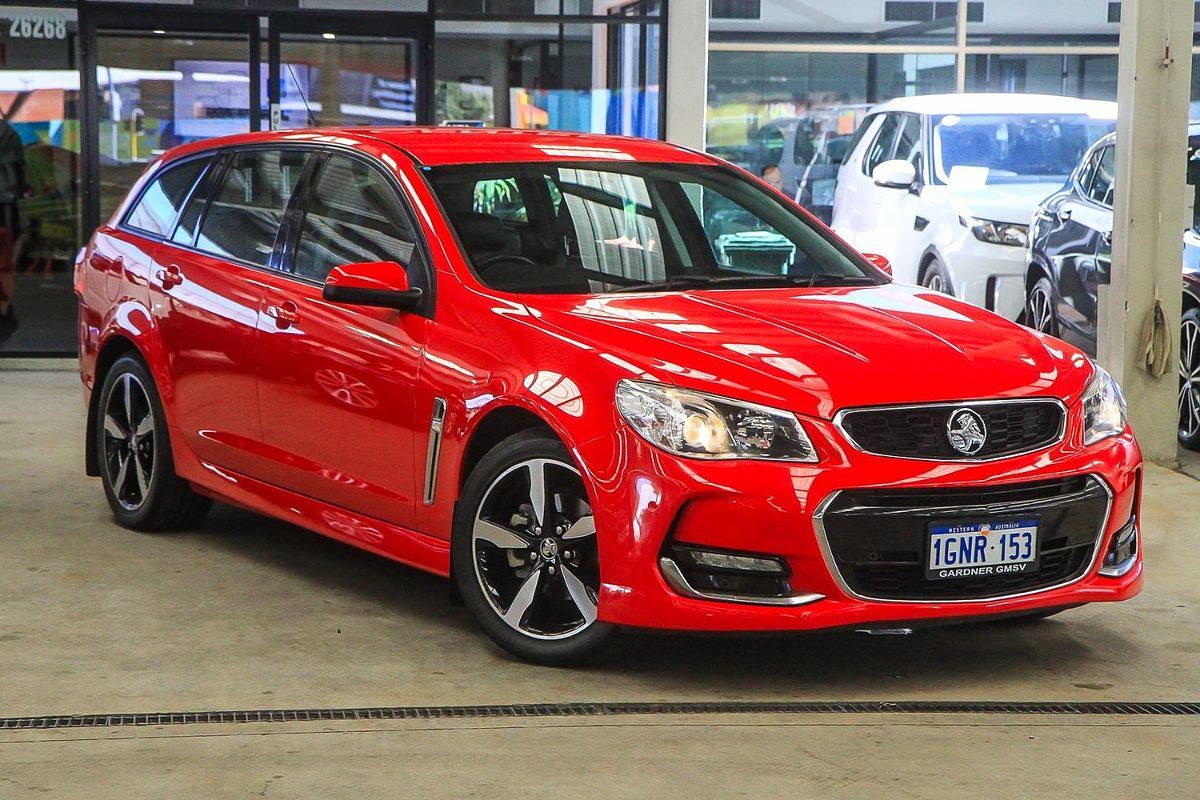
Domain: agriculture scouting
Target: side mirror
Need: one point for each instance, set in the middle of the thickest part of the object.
(383, 284)
(895, 174)
(879, 262)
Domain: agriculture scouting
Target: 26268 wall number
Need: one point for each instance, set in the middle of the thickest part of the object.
(37, 28)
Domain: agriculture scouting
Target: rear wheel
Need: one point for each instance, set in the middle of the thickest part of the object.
(136, 467)
(936, 278)
(1039, 307)
(525, 554)
(1189, 380)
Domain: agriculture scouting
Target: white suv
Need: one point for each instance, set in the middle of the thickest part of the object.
(944, 186)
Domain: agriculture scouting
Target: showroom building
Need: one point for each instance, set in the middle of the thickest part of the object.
(95, 90)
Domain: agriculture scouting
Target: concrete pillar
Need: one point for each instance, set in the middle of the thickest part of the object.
(1153, 88)
(686, 81)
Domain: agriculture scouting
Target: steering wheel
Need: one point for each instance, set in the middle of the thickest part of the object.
(501, 258)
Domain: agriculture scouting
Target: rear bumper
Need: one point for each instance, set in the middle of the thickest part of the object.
(649, 501)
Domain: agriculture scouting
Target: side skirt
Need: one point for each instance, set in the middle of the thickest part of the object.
(367, 533)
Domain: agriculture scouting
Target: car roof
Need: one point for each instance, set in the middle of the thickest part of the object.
(999, 103)
(445, 146)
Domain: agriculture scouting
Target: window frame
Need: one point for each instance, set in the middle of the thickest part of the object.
(279, 262)
(887, 116)
(1098, 160)
(164, 167)
(421, 274)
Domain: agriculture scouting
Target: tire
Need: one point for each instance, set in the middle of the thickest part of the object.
(937, 278)
(534, 594)
(1189, 379)
(1039, 307)
(136, 466)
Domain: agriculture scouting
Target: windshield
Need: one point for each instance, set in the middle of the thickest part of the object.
(583, 227)
(1011, 148)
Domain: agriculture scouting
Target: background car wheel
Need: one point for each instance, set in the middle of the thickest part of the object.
(525, 556)
(1189, 380)
(1039, 307)
(136, 466)
(937, 278)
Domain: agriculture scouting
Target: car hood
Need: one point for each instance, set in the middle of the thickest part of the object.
(1005, 202)
(817, 351)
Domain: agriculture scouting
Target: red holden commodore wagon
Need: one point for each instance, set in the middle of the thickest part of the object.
(599, 382)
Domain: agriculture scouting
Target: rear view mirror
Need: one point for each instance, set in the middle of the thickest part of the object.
(382, 284)
(879, 262)
(895, 174)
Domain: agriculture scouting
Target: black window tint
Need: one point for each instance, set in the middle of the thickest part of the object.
(156, 208)
(244, 216)
(1101, 189)
(353, 217)
(884, 144)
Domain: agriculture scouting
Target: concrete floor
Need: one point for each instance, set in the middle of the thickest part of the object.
(249, 613)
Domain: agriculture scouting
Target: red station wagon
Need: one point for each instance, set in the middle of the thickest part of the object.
(600, 382)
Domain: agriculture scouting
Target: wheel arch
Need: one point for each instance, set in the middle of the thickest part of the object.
(116, 346)
(493, 426)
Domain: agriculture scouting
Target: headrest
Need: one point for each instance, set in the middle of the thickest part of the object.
(479, 232)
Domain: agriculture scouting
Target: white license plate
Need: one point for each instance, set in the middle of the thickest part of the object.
(982, 549)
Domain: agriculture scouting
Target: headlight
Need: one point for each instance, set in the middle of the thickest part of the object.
(704, 426)
(1006, 233)
(1104, 410)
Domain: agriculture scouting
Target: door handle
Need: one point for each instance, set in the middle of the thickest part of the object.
(169, 277)
(1106, 237)
(285, 314)
(113, 264)
(1063, 214)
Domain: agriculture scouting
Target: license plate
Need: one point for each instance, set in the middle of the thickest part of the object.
(982, 549)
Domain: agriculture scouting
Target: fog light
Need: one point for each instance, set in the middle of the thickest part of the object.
(1122, 551)
(731, 561)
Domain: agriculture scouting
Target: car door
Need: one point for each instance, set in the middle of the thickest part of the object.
(337, 382)
(1082, 244)
(856, 208)
(205, 293)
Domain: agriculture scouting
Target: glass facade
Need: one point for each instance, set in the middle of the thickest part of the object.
(72, 144)
(39, 177)
(788, 80)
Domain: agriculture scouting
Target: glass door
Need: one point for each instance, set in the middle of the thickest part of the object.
(157, 87)
(346, 70)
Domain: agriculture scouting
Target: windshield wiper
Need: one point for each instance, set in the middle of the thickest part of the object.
(707, 281)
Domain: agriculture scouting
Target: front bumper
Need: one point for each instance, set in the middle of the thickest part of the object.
(987, 275)
(649, 500)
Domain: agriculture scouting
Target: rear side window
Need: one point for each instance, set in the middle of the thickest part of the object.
(353, 217)
(244, 214)
(159, 204)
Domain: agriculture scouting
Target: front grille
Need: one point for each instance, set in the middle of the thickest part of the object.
(1013, 426)
(878, 539)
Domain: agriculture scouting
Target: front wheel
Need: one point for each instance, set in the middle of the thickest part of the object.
(525, 557)
(937, 278)
(1039, 307)
(1189, 380)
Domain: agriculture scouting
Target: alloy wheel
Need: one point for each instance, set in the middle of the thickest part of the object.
(1189, 378)
(533, 542)
(1041, 311)
(130, 442)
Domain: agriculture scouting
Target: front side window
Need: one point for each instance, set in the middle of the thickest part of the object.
(353, 216)
(158, 206)
(884, 144)
(243, 217)
(1101, 188)
(590, 228)
(982, 149)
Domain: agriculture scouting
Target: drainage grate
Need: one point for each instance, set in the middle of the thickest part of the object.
(596, 710)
